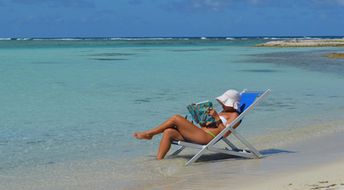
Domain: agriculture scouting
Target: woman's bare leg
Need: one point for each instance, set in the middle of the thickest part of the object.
(168, 136)
(157, 130)
(188, 130)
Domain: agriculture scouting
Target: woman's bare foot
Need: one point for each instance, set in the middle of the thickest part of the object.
(143, 135)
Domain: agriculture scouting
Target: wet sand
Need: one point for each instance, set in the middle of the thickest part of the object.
(315, 163)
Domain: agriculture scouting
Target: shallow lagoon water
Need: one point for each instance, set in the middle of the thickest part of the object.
(67, 102)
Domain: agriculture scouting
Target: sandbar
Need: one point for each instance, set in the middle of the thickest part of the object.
(335, 55)
(304, 43)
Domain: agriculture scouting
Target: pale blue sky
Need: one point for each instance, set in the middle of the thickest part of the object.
(156, 18)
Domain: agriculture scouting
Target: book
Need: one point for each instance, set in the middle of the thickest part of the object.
(199, 112)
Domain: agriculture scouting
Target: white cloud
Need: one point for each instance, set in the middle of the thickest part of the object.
(197, 5)
(329, 2)
(57, 3)
(340, 2)
(214, 5)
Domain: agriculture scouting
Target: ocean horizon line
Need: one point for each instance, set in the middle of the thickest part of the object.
(169, 38)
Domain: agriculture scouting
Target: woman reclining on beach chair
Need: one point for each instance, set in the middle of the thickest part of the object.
(177, 128)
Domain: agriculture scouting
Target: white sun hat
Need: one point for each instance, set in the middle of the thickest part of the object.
(231, 98)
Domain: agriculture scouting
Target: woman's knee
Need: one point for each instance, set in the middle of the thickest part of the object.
(169, 133)
(176, 118)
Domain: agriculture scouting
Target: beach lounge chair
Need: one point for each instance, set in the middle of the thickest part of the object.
(248, 100)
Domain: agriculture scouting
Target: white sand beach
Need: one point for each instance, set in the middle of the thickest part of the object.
(316, 164)
(324, 176)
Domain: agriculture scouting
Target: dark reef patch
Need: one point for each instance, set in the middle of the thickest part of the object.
(313, 60)
(195, 50)
(44, 63)
(143, 100)
(109, 59)
(260, 70)
(112, 54)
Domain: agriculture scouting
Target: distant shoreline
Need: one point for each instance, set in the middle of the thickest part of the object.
(304, 43)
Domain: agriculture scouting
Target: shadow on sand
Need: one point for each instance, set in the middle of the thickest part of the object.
(221, 156)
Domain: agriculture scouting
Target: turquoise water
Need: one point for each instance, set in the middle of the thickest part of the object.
(79, 101)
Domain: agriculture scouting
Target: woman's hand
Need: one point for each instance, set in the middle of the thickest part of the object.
(216, 116)
(212, 113)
